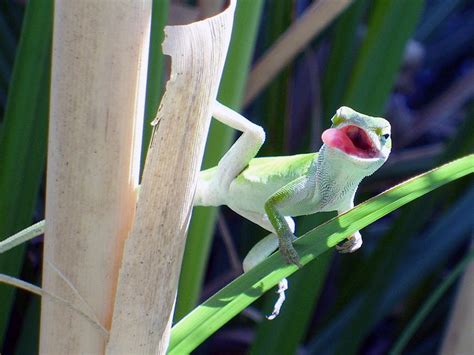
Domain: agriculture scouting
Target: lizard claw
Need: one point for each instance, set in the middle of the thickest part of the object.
(352, 243)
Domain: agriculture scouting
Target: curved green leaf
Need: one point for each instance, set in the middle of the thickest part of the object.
(23, 137)
(228, 302)
(390, 26)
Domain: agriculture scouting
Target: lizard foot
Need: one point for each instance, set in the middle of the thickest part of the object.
(352, 243)
(289, 252)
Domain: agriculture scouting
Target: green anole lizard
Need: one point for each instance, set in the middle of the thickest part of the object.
(270, 191)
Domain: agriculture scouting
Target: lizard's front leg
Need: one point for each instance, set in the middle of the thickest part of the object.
(285, 237)
(289, 195)
(263, 249)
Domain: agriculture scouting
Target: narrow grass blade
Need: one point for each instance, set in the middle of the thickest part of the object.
(344, 42)
(22, 236)
(220, 308)
(274, 103)
(23, 140)
(390, 26)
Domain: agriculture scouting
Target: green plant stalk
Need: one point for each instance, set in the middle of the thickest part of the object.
(231, 92)
(225, 304)
(390, 26)
(159, 17)
(274, 100)
(344, 42)
(23, 140)
(420, 316)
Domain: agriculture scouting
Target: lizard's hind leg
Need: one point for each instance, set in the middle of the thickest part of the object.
(242, 151)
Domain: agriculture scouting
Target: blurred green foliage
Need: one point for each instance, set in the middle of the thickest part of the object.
(360, 303)
(23, 138)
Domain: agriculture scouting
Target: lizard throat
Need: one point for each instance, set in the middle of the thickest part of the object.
(352, 140)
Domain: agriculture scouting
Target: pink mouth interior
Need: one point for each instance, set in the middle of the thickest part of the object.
(351, 140)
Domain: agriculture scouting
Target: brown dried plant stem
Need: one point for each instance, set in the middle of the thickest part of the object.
(151, 263)
(99, 62)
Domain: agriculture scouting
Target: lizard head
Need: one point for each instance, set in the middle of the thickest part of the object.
(363, 140)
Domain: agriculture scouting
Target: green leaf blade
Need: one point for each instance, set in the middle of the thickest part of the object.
(23, 137)
(391, 25)
(228, 302)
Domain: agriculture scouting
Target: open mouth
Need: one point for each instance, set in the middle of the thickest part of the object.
(351, 140)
